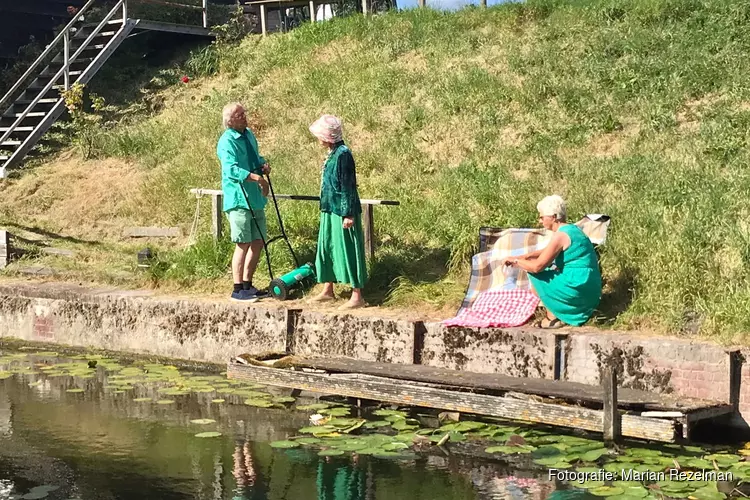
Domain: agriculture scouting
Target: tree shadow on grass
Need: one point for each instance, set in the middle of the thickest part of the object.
(414, 263)
(617, 297)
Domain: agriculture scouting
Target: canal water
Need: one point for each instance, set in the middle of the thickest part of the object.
(78, 433)
(90, 427)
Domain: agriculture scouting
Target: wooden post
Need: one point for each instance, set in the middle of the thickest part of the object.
(263, 19)
(611, 419)
(312, 11)
(217, 201)
(369, 229)
(205, 13)
(421, 3)
(735, 377)
(66, 58)
(4, 249)
(364, 7)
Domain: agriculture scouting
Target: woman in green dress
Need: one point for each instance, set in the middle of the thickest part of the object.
(341, 248)
(572, 289)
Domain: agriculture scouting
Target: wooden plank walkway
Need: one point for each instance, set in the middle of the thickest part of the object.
(567, 391)
(563, 404)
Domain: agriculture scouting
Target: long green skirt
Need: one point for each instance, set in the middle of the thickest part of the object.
(341, 252)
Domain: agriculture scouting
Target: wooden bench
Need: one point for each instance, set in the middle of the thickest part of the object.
(368, 223)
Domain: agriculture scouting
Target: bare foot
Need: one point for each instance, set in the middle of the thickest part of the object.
(323, 297)
(353, 304)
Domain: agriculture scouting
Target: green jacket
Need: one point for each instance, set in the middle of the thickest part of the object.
(338, 189)
(238, 154)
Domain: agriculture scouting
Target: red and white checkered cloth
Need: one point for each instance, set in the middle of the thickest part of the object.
(498, 308)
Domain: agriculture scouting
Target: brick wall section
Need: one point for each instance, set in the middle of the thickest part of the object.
(693, 369)
(515, 352)
(369, 339)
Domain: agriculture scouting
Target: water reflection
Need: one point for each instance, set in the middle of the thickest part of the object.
(101, 445)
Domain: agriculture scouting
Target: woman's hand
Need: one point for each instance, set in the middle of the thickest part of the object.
(266, 169)
(348, 222)
(511, 262)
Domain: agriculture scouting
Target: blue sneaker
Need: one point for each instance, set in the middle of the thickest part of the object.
(244, 296)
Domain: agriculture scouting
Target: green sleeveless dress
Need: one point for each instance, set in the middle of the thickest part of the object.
(573, 290)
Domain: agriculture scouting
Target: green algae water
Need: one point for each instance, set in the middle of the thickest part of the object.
(89, 427)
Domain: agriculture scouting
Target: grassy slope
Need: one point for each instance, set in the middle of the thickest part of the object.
(638, 109)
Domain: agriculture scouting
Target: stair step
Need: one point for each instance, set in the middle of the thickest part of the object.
(47, 100)
(59, 60)
(94, 25)
(4, 158)
(33, 114)
(98, 46)
(17, 129)
(51, 74)
(10, 143)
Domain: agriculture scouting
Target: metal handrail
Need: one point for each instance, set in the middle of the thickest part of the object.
(62, 34)
(61, 71)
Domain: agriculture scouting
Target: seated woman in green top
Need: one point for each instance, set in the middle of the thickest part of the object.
(341, 247)
(571, 291)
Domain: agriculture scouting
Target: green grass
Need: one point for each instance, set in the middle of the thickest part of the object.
(634, 108)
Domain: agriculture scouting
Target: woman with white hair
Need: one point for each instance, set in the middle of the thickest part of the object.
(341, 248)
(572, 289)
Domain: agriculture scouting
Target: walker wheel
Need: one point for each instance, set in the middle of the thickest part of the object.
(278, 289)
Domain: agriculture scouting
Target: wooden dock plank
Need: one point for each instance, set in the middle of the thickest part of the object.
(395, 391)
(568, 391)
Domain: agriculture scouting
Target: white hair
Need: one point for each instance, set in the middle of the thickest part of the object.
(228, 111)
(553, 205)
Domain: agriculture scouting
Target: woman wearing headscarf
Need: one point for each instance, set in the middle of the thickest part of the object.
(341, 249)
(572, 289)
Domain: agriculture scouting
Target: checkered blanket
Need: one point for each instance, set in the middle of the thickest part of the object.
(498, 309)
(488, 270)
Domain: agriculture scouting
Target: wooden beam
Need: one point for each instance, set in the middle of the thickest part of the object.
(152, 232)
(263, 19)
(398, 392)
(217, 202)
(611, 422)
(368, 226)
(4, 249)
(735, 378)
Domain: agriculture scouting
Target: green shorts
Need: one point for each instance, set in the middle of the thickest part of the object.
(243, 228)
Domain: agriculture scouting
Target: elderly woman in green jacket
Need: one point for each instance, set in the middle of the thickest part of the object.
(341, 256)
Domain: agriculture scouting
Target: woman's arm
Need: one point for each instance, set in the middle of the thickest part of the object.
(545, 258)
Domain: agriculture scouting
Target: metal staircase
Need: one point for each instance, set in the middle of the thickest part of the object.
(33, 104)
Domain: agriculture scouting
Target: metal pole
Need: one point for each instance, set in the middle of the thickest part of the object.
(205, 13)
(66, 58)
(124, 11)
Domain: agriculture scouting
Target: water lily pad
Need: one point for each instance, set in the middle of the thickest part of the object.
(402, 425)
(352, 446)
(588, 485)
(594, 455)
(76, 391)
(284, 399)
(707, 493)
(642, 452)
(260, 403)
(698, 463)
(378, 423)
(606, 491)
(202, 421)
(618, 466)
(316, 407)
(308, 440)
(395, 446)
(330, 453)
(588, 470)
(507, 450)
(318, 429)
(336, 412)
(141, 400)
(218, 400)
(35, 495)
(284, 444)
(208, 434)
(627, 484)
(390, 413)
(723, 459)
(203, 389)
(165, 402)
(634, 491)
(547, 461)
